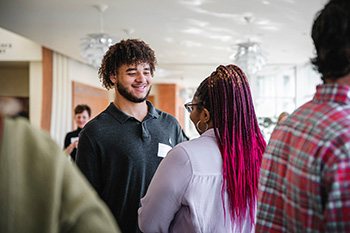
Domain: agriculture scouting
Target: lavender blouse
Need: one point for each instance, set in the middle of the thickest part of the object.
(185, 192)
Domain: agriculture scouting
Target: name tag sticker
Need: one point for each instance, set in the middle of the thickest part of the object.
(73, 139)
(163, 149)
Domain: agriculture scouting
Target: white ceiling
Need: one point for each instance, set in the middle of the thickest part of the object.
(190, 37)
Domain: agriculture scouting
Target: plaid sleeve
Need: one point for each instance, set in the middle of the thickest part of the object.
(336, 177)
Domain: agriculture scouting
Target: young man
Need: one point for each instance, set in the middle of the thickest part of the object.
(120, 149)
(304, 179)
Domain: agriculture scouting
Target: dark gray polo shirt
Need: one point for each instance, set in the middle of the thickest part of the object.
(119, 155)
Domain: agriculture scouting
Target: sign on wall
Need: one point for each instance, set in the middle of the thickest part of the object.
(17, 48)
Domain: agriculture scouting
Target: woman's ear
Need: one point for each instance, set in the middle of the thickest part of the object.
(205, 115)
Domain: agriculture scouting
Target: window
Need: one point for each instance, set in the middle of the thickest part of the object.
(275, 93)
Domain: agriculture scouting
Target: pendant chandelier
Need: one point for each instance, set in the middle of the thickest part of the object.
(249, 56)
(95, 45)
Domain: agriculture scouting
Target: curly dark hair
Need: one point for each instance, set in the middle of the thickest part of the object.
(125, 52)
(331, 36)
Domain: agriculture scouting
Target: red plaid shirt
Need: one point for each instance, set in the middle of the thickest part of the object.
(305, 174)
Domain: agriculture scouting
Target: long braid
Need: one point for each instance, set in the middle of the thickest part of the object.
(226, 94)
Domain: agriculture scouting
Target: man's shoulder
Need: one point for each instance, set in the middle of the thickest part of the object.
(161, 115)
(166, 116)
(99, 122)
(324, 116)
(167, 120)
(313, 122)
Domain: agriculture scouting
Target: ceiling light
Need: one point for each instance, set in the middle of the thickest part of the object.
(95, 45)
(249, 56)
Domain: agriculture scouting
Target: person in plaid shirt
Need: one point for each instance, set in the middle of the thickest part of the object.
(305, 175)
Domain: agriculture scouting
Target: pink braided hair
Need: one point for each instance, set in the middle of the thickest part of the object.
(226, 95)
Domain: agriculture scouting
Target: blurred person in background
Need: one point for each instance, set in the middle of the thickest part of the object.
(82, 114)
(282, 117)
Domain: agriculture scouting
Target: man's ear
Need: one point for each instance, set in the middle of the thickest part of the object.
(113, 78)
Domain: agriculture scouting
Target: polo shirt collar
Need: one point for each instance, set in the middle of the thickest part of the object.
(152, 110)
(122, 117)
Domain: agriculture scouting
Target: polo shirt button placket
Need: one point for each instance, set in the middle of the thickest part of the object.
(145, 132)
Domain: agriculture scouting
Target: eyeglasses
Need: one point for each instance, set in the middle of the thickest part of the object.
(189, 105)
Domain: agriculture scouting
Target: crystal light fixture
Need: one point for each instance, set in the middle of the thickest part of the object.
(249, 56)
(95, 45)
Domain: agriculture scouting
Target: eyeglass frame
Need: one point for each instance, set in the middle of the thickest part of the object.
(189, 104)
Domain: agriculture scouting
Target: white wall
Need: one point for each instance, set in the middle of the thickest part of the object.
(83, 73)
(35, 92)
(17, 48)
(65, 71)
(86, 74)
(26, 82)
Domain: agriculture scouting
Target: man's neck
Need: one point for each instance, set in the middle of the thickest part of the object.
(345, 80)
(136, 110)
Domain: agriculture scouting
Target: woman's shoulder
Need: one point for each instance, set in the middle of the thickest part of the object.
(201, 143)
(200, 147)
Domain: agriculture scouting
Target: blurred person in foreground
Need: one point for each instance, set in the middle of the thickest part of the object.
(305, 175)
(209, 184)
(82, 114)
(120, 149)
(40, 190)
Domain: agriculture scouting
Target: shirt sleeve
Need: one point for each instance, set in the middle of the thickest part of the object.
(89, 162)
(337, 188)
(165, 193)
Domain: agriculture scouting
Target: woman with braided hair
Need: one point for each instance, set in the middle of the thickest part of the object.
(210, 184)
